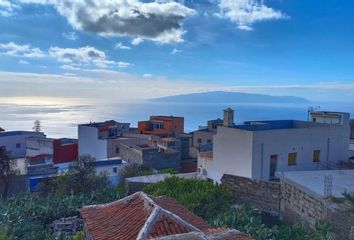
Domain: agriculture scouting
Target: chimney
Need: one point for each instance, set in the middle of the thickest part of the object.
(229, 117)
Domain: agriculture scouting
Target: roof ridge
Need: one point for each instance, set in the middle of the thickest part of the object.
(122, 200)
(155, 214)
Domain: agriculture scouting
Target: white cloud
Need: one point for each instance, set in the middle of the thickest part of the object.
(246, 12)
(70, 68)
(159, 21)
(175, 51)
(147, 75)
(15, 50)
(84, 56)
(122, 46)
(137, 41)
(23, 62)
(7, 8)
(123, 64)
(70, 36)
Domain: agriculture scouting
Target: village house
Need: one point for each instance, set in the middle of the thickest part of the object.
(94, 137)
(202, 139)
(257, 149)
(140, 216)
(163, 126)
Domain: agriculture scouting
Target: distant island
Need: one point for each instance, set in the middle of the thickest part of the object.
(228, 97)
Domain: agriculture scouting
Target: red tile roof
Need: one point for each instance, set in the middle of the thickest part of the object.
(140, 216)
(173, 206)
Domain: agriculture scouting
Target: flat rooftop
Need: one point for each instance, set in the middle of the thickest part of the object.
(109, 123)
(277, 125)
(313, 181)
(16, 133)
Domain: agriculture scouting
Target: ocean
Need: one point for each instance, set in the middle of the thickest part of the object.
(61, 119)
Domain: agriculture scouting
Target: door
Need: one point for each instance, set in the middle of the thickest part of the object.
(273, 166)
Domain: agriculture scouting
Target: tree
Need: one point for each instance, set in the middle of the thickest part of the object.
(80, 178)
(6, 171)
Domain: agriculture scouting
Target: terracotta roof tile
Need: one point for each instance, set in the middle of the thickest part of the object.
(145, 217)
(173, 206)
(118, 220)
(165, 226)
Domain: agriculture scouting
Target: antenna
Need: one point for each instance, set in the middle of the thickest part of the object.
(310, 110)
(37, 126)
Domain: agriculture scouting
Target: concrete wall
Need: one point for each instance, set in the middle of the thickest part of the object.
(114, 145)
(331, 140)
(263, 195)
(232, 150)
(11, 141)
(90, 144)
(20, 166)
(204, 136)
(38, 145)
(151, 157)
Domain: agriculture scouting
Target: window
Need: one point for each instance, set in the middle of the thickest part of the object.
(18, 145)
(199, 140)
(314, 119)
(316, 156)
(115, 169)
(209, 141)
(117, 149)
(292, 159)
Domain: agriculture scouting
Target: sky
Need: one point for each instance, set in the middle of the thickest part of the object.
(122, 50)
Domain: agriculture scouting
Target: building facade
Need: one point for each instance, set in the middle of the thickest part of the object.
(94, 137)
(258, 149)
(153, 156)
(164, 126)
(15, 141)
(65, 150)
(202, 140)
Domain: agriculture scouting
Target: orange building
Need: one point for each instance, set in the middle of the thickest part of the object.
(162, 126)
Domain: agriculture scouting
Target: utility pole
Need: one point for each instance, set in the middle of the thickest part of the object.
(37, 126)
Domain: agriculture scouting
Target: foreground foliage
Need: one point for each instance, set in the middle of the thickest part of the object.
(28, 216)
(201, 197)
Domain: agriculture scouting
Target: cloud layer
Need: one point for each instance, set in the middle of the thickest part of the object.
(159, 21)
(16, 50)
(72, 58)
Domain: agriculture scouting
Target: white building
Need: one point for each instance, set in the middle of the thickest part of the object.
(37, 145)
(258, 149)
(15, 142)
(330, 117)
(94, 137)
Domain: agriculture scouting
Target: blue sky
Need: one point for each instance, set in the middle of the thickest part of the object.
(117, 50)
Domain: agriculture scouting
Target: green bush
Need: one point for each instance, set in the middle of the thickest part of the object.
(80, 178)
(168, 170)
(28, 216)
(202, 197)
(135, 170)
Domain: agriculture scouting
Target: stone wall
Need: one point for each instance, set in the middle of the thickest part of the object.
(263, 195)
(298, 205)
(342, 221)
